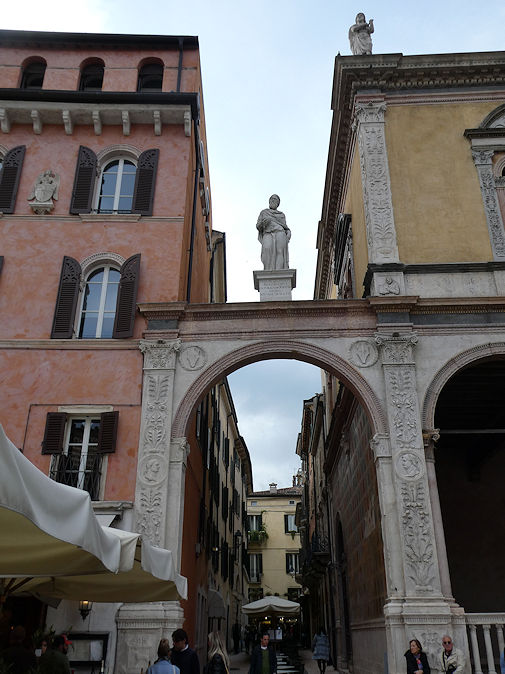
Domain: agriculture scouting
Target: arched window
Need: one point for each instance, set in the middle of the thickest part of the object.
(102, 293)
(150, 77)
(117, 187)
(91, 77)
(33, 75)
(99, 303)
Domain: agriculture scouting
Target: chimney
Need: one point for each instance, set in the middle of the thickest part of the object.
(273, 487)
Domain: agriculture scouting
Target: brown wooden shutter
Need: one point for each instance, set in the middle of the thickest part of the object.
(84, 181)
(1, 263)
(66, 302)
(127, 298)
(9, 178)
(107, 433)
(145, 180)
(54, 435)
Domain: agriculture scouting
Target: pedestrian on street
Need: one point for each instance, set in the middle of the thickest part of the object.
(183, 656)
(321, 649)
(218, 660)
(263, 658)
(417, 662)
(19, 658)
(163, 664)
(452, 660)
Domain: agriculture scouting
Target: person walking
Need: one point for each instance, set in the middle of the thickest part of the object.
(218, 660)
(263, 658)
(321, 649)
(184, 657)
(163, 665)
(417, 662)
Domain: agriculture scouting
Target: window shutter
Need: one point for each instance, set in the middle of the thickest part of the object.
(288, 565)
(127, 298)
(66, 302)
(1, 263)
(107, 433)
(54, 434)
(84, 181)
(145, 179)
(9, 178)
(260, 563)
(286, 524)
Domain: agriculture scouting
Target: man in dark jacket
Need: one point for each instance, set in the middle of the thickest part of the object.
(183, 656)
(17, 656)
(263, 658)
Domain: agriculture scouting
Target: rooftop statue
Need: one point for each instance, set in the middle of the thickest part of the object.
(359, 35)
(274, 235)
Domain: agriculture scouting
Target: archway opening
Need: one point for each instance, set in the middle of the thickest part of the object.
(470, 464)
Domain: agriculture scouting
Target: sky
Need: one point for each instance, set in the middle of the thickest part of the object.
(267, 69)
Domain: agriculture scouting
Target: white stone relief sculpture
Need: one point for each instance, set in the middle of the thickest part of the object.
(274, 236)
(389, 287)
(44, 190)
(159, 355)
(192, 357)
(417, 536)
(381, 233)
(359, 35)
(409, 466)
(363, 353)
(483, 163)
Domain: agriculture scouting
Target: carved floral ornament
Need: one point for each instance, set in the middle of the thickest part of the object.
(396, 350)
(160, 354)
(363, 353)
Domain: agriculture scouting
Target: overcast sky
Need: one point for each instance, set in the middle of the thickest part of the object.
(267, 70)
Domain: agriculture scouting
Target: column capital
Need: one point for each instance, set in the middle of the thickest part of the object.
(482, 156)
(396, 349)
(179, 450)
(371, 112)
(380, 446)
(160, 354)
(430, 437)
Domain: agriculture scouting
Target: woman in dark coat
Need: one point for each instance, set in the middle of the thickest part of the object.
(219, 662)
(417, 662)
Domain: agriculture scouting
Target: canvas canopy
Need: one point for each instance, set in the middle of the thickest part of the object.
(52, 544)
(271, 606)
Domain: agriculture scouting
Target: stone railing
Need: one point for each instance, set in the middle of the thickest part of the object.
(485, 634)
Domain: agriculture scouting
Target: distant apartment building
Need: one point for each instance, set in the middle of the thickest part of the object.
(274, 542)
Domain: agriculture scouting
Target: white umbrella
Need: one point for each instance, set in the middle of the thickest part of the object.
(52, 544)
(270, 605)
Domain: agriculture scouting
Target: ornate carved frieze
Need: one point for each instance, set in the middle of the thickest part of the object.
(410, 475)
(416, 520)
(381, 233)
(159, 355)
(483, 163)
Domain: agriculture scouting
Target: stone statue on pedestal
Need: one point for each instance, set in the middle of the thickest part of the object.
(274, 235)
(359, 35)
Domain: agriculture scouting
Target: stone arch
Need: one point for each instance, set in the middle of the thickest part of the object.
(455, 364)
(284, 349)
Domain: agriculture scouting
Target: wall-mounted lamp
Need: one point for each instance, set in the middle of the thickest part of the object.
(85, 607)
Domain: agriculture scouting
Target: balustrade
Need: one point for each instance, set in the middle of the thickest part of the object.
(485, 634)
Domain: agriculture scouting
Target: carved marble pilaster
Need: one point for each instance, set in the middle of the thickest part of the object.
(429, 439)
(381, 448)
(418, 552)
(380, 225)
(484, 165)
(179, 450)
(153, 468)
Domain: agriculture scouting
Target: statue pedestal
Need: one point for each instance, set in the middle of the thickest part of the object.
(275, 285)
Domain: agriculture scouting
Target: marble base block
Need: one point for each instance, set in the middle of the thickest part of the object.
(275, 285)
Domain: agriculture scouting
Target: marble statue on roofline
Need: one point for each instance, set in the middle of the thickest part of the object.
(359, 35)
(274, 236)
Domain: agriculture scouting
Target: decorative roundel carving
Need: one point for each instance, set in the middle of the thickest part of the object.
(409, 466)
(153, 469)
(363, 353)
(192, 357)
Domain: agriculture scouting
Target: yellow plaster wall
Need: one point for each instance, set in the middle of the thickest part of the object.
(274, 549)
(354, 206)
(437, 201)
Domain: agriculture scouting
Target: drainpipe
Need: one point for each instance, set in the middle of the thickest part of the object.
(196, 120)
(179, 67)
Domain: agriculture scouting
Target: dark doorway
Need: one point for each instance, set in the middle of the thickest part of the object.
(470, 466)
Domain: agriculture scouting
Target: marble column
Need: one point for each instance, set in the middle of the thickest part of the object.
(159, 500)
(429, 438)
